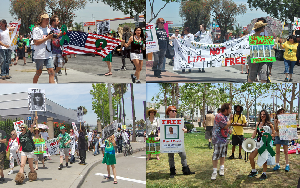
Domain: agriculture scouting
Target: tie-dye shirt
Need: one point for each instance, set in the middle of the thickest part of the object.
(219, 123)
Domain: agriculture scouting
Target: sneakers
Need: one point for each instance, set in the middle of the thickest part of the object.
(291, 80)
(2, 180)
(286, 80)
(214, 176)
(60, 167)
(221, 171)
(123, 69)
(10, 172)
(133, 78)
(263, 177)
(138, 82)
(55, 78)
(67, 164)
(287, 168)
(3, 77)
(7, 77)
(276, 167)
(240, 157)
(231, 157)
(252, 174)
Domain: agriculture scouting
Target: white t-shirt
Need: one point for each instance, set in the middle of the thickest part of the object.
(265, 33)
(90, 136)
(178, 36)
(4, 37)
(44, 135)
(40, 50)
(189, 37)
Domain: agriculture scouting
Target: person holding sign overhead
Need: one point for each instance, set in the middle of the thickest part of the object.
(38, 102)
(279, 142)
(64, 147)
(172, 112)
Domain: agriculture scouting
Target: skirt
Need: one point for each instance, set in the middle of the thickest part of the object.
(152, 146)
(281, 142)
(108, 58)
(109, 159)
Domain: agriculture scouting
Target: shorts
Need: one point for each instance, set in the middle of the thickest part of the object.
(58, 60)
(29, 155)
(281, 142)
(2, 154)
(28, 50)
(220, 150)
(39, 157)
(43, 62)
(258, 69)
(270, 64)
(63, 151)
(208, 134)
(136, 56)
(21, 53)
(237, 140)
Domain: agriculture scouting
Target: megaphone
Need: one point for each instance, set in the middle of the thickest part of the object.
(249, 145)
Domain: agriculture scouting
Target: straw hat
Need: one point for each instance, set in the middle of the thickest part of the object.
(259, 25)
(150, 110)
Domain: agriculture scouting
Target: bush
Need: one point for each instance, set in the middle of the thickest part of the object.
(189, 127)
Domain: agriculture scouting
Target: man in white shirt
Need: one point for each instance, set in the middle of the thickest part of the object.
(90, 134)
(42, 42)
(5, 52)
(175, 36)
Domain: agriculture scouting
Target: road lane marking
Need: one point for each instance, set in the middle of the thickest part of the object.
(122, 178)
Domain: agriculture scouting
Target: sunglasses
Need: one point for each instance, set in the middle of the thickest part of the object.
(175, 111)
(162, 22)
(176, 31)
(71, 131)
(22, 127)
(12, 134)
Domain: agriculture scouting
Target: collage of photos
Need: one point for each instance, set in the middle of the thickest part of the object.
(149, 93)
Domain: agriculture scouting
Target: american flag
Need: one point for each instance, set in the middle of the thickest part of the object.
(82, 43)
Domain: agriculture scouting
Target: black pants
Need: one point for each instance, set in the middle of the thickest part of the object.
(125, 54)
(82, 154)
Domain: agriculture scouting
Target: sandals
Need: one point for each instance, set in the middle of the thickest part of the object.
(108, 177)
(108, 74)
(115, 182)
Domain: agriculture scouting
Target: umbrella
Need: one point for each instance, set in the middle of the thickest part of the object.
(42, 126)
(274, 27)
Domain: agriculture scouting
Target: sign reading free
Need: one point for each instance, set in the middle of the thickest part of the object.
(261, 49)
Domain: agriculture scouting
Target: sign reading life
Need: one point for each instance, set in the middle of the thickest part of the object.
(261, 49)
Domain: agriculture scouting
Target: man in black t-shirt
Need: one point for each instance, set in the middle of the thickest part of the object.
(126, 51)
(2, 153)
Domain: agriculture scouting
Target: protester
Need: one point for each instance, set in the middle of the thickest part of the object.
(95, 139)
(102, 145)
(263, 126)
(238, 122)
(89, 134)
(220, 134)
(208, 123)
(289, 56)
(163, 41)
(242, 66)
(202, 34)
(2, 153)
(171, 112)
(42, 42)
(126, 51)
(279, 142)
(73, 145)
(45, 136)
(12, 148)
(152, 132)
(56, 48)
(137, 42)
(258, 68)
(188, 37)
(38, 157)
(110, 157)
(64, 147)
(21, 50)
(82, 146)
(5, 52)
(119, 139)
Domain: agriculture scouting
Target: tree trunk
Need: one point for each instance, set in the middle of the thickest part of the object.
(173, 94)
(165, 96)
(231, 98)
(292, 97)
(203, 107)
(177, 95)
(133, 114)
(110, 104)
(122, 86)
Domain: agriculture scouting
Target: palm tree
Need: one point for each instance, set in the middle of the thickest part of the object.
(110, 104)
(120, 90)
(78, 26)
(133, 114)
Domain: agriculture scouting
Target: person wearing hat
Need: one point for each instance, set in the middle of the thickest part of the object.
(42, 47)
(258, 68)
(238, 122)
(208, 123)
(152, 132)
(38, 157)
(64, 146)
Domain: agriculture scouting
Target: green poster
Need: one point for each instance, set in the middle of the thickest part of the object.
(40, 146)
(261, 40)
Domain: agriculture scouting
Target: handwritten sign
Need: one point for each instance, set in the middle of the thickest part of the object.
(261, 40)
(109, 130)
(171, 135)
(151, 39)
(261, 49)
(39, 146)
(296, 23)
(52, 145)
(17, 125)
(287, 127)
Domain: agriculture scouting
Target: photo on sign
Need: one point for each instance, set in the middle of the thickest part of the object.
(103, 27)
(149, 36)
(80, 114)
(171, 132)
(36, 100)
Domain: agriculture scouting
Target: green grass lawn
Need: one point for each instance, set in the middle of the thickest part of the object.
(199, 158)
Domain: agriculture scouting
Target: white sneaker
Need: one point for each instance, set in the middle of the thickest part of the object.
(33, 62)
(10, 172)
(214, 176)
(221, 171)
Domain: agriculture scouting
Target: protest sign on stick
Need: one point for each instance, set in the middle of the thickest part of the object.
(36, 100)
(151, 39)
(52, 145)
(287, 126)
(109, 130)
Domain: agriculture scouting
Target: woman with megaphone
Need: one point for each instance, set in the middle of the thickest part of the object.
(265, 131)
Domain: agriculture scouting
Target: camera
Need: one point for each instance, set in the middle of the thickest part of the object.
(54, 35)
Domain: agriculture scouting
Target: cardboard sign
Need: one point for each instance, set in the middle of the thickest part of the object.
(171, 135)
(109, 130)
(103, 27)
(80, 114)
(287, 126)
(261, 49)
(39, 146)
(151, 39)
(36, 100)
(53, 146)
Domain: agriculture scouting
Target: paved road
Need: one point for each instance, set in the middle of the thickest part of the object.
(218, 74)
(131, 172)
(82, 69)
(51, 177)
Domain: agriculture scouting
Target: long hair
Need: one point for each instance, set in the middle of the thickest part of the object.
(39, 103)
(278, 112)
(142, 33)
(40, 19)
(267, 117)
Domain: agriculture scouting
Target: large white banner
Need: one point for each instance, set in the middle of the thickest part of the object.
(287, 127)
(151, 39)
(171, 135)
(190, 55)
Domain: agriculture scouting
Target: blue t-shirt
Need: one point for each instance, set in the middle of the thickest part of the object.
(56, 42)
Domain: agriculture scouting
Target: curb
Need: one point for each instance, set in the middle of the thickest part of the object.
(82, 176)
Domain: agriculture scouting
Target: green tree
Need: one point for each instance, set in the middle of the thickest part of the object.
(65, 9)
(119, 91)
(78, 26)
(225, 12)
(28, 11)
(195, 13)
(84, 110)
(151, 3)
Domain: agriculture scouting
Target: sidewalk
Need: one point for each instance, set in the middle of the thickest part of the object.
(72, 176)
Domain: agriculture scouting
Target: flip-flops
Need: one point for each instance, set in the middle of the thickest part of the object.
(108, 177)
(108, 74)
(115, 182)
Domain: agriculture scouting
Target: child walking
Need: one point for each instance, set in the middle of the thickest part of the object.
(110, 157)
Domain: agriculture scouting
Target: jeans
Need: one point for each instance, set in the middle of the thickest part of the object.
(5, 58)
(289, 66)
(72, 159)
(159, 58)
(182, 156)
(119, 144)
(96, 152)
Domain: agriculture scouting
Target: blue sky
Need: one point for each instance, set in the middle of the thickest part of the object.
(74, 95)
(153, 89)
(171, 13)
(98, 10)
